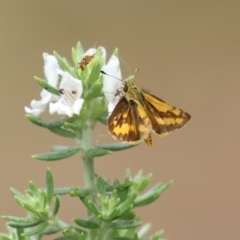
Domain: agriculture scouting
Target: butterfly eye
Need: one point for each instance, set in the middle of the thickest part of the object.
(125, 88)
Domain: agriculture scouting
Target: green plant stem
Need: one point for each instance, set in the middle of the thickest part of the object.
(88, 161)
(88, 167)
(89, 174)
(104, 235)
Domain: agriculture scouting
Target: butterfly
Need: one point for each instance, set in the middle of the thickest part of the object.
(138, 113)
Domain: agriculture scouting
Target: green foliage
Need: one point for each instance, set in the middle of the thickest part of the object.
(37, 202)
(110, 206)
(57, 155)
(47, 86)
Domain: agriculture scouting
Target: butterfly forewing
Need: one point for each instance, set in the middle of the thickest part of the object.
(164, 117)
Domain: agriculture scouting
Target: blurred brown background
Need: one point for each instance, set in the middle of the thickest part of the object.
(188, 53)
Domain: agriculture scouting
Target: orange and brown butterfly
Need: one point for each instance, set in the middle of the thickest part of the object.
(138, 113)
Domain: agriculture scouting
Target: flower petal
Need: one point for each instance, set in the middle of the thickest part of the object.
(51, 69)
(37, 107)
(69, 102)
(77, 106)
(69, 83)
(111, 83)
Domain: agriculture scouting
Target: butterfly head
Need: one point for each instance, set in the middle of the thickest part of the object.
(130, 89)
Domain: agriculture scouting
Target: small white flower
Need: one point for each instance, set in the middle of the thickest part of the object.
(70, 102)
(51, 71)
(112, 82)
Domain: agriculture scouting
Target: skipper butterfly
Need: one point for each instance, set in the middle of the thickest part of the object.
(138, 113)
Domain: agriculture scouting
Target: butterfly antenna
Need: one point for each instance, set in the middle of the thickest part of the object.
(125, 63)
(135, 73)
(110, 75)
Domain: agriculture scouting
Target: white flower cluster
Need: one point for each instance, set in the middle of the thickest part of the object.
(70, 102)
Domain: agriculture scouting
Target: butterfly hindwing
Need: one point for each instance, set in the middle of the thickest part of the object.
(129, 122)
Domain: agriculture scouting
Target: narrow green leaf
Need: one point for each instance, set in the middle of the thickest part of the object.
(67, 238)
(28, 224)
(44, 199)
(40, 228)
(144, 229)
(98, 105)
(86, 223)
(18, 219)
(114, 214)
(29, 206)
(123, 208)
(77, 124)
(101, 185)
(119, 146)
(80, 192)
(63, 191)
(53, 156)
(157, 235)
(139, 176)
(56, 206)
(122, 194)
(77, 54)
(46, 123)
(19, 201)
(123, 211)
(33, 189)
(5, 237)
(42, 214)
(129, 232)
(152, 195)
(116, 52)
(119, 186)
(16, 193)
(62, 62)
(128, 176)
(19, 234)
(62, 132)
(97, 152)
(129, 216)
(144, 183)
(125, 224)
(94, 207)
(91, 205)
(95, 90)
(50, 186)
(74, 232)
(47, 86)
(52, 229)
(135, 237)
(95, 73)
